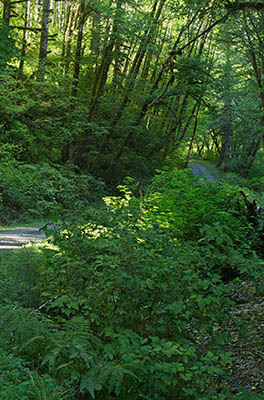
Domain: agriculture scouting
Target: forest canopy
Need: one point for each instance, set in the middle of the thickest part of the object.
(121, 88)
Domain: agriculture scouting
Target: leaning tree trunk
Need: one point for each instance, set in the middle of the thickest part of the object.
(43, 41)
(77, 61)
(70, 36)
(133, 73)
(66, 29)
(193, 136)
(224, 157)
(103, 70)
(65, 152)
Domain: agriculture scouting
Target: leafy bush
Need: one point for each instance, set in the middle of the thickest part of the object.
(14, 378)
(38, 191)
(8, 49)
(129, 309)
(208, 215)
(150, 310)
(184, 204)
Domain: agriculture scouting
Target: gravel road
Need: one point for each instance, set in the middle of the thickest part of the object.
(199, 169)
(16, 237)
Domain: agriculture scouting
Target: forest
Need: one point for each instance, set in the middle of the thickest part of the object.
(150, 283)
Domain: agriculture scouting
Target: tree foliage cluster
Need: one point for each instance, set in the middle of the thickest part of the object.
(121, 88)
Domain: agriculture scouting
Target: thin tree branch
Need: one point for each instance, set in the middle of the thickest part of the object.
(179, 51)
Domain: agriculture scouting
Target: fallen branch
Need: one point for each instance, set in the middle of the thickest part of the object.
(49, 301)
(253, 208)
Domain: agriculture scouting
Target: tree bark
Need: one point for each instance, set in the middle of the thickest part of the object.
(193, 136)
(77, 61)
(133, 73)
(7, 12)
(70, 35)
(103, 69)
(24, 41)
(43, 41)
(66, 29)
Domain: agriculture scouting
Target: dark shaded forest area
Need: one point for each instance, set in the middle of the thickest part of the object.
(151, 285)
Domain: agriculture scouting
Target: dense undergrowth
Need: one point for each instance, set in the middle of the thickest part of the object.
(38, 191)
(130, 300)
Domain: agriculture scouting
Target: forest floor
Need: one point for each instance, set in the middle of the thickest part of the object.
(246, 335)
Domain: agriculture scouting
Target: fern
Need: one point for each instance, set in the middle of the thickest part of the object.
(25, 330)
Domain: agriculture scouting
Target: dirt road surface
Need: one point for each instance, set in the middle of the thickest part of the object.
(16, 237)
(202, 170)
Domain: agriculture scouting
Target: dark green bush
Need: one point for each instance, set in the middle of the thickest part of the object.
(38, 191)
(20, 276)
(17, 382)
(8, 50)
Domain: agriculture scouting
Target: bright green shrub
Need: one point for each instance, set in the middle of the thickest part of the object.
(183, 204)
(209, 215)
(131, 311)
(146, 306)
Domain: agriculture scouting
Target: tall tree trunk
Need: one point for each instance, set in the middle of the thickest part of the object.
(76, 74)
(154, 17)
(24, 42)
(70, 35)
(7, 12)
(224, 157)
(193, 136)
(43, 41)
(77, 61)
(107, 59)
(66, 29)
(95, 48)
(227, 100)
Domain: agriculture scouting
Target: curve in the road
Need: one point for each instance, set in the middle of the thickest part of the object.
(198, 169)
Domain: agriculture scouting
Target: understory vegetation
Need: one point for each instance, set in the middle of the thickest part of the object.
(132, 298)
